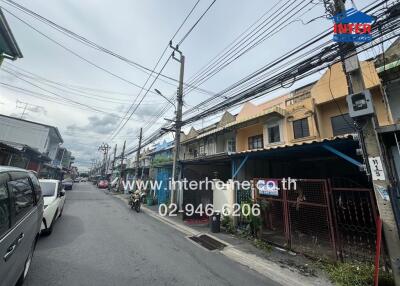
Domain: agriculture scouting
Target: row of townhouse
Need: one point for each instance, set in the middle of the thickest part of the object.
(308, 135)
(310, 116)
(34, 146)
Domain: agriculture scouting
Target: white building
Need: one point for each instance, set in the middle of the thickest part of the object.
(44, 138)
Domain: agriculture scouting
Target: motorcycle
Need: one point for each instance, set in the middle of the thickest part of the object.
(134, 201)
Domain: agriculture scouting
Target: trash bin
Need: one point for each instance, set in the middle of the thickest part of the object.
(215, 222)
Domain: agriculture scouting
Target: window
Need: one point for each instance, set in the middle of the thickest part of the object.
(22, 192)
(256, 142)
(36, 186)
(273, 134)
(300, 128)
(201, 149)
(342, 124)
(4, 208)
(231, 145)
(48, 188)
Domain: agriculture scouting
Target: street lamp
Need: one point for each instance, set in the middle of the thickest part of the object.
(166, 98)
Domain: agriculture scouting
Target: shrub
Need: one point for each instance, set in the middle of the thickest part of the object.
(227, 223)
(356, 274)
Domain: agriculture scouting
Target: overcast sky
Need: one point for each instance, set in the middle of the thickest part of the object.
(138, 30)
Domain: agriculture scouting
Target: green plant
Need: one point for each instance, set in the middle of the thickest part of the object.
(262, 245)
(265, 205)
(160, 159)
(227, 223)
(255, 225)
(356, 274)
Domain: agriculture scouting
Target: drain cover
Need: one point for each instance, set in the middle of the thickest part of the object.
(207, 242)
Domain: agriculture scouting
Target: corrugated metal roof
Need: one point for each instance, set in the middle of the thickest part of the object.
(302, 143)
(24, 148)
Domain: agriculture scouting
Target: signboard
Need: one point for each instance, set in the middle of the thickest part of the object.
(267, 187)
(375, 165)
(352, 26)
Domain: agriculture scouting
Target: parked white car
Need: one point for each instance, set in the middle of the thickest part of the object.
(54, 199)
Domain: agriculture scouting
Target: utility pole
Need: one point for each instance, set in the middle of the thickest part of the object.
(122, 166)
(138, 155)
(113, 161)
(372, 152)
(104, 148)
(178, 120)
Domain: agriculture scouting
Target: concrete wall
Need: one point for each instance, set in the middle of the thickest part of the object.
(335, 83)
(243, 134)
(223, 195)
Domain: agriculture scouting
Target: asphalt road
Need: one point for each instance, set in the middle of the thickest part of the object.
(100, 241)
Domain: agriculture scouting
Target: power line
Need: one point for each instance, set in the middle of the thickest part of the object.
(299, 67)
(45, 97)
(232, 50)
(73, 52)
(96, 46)
(195, 24)
(170, 42)
(65, 88)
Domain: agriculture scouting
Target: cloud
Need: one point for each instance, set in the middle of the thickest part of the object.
(100, 125)
(37, 109)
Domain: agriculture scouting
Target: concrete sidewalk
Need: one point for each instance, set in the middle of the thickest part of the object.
(284, 267)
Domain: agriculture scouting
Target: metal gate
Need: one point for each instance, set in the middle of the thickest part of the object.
(299, 218)
(321, 220)
(196, 197)
(355, 220)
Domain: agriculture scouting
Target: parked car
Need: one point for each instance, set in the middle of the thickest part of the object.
(103, 184)
(21, 213)
(67, 184)
(54, 200)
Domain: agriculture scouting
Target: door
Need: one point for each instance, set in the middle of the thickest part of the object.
(23, 221)
(7, 273)
(163, 191)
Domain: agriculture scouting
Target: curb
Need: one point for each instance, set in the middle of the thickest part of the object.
(262, 266)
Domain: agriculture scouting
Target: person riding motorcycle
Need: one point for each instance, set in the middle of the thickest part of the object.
(134, 200)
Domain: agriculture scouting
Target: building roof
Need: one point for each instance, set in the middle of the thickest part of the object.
(294, 144)
(275, 109)
(8, 44)
(23, 148)
(159, 147)
(55, 129)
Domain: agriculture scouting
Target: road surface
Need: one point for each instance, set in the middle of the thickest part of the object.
(100, 241)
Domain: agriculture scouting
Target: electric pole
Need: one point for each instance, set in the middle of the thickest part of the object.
(138, 155)
(113, 161)
(373, 153)
(122, 165)
(104, 148)
(178, 121)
